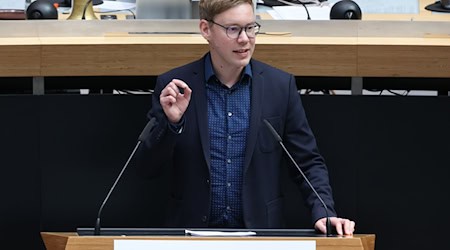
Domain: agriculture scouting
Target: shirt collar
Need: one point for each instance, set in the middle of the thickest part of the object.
(210, 74)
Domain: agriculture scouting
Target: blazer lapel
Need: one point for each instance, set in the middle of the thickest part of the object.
(255, 114)
(201, 106)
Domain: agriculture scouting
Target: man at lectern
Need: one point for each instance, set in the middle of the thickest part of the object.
(216, 124)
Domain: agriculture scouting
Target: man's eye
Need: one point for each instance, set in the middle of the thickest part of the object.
(250, 28)
(234, 29)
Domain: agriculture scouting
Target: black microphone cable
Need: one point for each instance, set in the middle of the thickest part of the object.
(299, 2)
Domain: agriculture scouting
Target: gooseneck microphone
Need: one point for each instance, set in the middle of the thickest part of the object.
(278, 138)
(141, 138)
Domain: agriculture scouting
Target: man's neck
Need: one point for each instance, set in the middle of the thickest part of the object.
(228, 76)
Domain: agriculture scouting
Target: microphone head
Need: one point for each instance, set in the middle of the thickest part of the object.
(445, 4)
(273, 131)
(345, 9)
(42, 9)
(150, 125)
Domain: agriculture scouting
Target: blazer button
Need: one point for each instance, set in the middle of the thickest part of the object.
(207, 181)
(204, 218)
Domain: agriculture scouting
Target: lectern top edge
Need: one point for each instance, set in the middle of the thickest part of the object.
(182, 231)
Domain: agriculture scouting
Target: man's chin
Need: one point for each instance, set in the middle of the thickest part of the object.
(243, 62)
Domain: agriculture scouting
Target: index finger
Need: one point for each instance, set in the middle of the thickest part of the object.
(180, 83)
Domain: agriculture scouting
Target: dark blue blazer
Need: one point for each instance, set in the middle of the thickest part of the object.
(274, 97)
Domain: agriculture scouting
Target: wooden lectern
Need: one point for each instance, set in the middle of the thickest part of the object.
(72, 241)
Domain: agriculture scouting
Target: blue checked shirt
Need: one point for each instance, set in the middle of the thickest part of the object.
(228, 120)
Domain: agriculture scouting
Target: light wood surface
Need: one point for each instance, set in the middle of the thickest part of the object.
(311, 48)
(71, 241)
(20, 60)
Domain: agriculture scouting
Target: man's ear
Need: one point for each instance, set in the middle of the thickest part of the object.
(205, 29)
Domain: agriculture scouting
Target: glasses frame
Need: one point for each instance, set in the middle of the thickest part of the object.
(227, 29)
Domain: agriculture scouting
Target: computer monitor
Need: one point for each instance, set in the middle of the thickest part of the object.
(165, 9)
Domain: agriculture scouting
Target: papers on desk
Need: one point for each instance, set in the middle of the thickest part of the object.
(316, 12)
(322, 11)
(12, 4)
(218, 233)
(114, 6)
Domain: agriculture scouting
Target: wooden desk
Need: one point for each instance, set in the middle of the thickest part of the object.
(314, 48)
(71, 241)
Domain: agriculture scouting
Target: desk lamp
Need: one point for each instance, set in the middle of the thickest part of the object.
(82, 9)
(68, 3)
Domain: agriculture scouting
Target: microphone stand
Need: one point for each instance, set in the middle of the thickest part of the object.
(280, 140)
(142, 136)
(97, 222)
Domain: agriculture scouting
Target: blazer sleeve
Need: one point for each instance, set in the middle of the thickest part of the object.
(156, 151)
(300, 141)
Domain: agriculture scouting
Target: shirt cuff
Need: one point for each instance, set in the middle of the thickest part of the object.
(177, 128)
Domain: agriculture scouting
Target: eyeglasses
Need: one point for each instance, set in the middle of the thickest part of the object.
(234, 31)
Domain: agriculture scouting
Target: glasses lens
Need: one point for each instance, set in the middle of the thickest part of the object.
(233, 31)
(252, 30)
